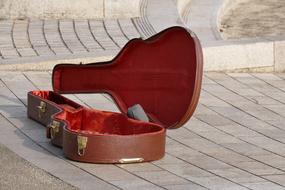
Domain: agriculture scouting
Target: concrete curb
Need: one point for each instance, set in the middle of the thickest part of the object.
(53, 9)
(46, 63)
(257, 55)
(246, 55)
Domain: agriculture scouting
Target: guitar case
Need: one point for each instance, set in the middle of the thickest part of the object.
(162, 74)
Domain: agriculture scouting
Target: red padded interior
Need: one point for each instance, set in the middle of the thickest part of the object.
(158, 73)
(91, 121)
(58, 99)
(100, 122)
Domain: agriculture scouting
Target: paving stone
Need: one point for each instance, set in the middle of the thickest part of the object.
(209, 100)
(21, 38)
(264, 100)
(205, 162)
(238, 175)
(280, 179)
(128, 28)
(263, 186)
(52, 149)
(18, 84)
(214, 119)
(85, 36)
(100, 34)
(231, 157)
(53, 37)
(272, 160)
(13, 111)
(267, 143)
(279, 109)
(42, 80)
(37, 38)
(167, 179)
(246, 149)
(186, 170)
(168, 159)
(26, 52)
(259, 168)
(238, 130)
(139, 167)
(98, 101)
(7, 98)
(267, 77)
(185, 186)
(9, 53)
(136, 184)
(216, 183)
(114, 30)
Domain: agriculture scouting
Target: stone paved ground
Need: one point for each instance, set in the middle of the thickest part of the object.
(254, 18)
(17, 173)
(30, 40)
(236, 139)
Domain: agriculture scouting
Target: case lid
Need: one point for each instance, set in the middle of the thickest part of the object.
(162, 73)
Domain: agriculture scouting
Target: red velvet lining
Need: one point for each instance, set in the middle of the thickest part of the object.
(100, 122)
(159, 74)
(91, 121)
(58, 99)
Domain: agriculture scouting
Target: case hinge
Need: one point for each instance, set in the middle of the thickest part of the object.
(81, 144)
(42, 108)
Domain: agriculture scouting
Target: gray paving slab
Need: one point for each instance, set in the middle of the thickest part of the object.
(70, 38)
(115, 32)
(21, 38)
(37, 38)
(84, 34)
(18, 84)
(128, 28)
(99, 32)
(53, 37)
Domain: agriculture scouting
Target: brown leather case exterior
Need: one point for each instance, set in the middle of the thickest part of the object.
(34, 113)
(35, 99)
(115, 149)
(99, 148)
(82, 146)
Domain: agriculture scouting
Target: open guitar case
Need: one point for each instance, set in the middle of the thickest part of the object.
(161, 74)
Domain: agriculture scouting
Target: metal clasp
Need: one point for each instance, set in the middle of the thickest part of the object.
(54, 128)
(81, 144)
(130, 160)
(42, 108)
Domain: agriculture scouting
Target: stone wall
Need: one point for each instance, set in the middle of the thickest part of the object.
(58, 9)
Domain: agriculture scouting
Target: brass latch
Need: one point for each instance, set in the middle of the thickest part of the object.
(130, 160)
(42, 108)
(54, 128)
(81, 144)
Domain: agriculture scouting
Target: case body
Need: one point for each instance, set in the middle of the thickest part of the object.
(163, 74)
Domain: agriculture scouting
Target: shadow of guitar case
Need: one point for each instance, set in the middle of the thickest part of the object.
(162, 74)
